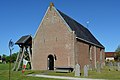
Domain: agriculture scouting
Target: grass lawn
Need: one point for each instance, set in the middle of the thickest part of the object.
(17, 75)
(104, 74)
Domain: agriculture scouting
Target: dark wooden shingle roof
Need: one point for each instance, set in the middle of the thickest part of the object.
(80, 31)
(27, 40)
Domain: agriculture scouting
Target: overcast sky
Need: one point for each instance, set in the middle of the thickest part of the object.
(22, 17)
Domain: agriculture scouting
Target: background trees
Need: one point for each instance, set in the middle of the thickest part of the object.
(7, 58)
(117, 55)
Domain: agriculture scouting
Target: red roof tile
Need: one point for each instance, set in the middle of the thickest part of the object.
(109, 54)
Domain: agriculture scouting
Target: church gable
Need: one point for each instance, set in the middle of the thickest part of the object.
(55, 16)
(53, 37)
(52, 17)
(51, 24)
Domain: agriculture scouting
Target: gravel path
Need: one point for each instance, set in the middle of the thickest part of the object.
(61, 77)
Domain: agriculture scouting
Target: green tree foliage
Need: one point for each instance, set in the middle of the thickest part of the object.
(14, 56)
(0, 57)
(118, 49)
(7, 58)
(117, 55)
(4, 56)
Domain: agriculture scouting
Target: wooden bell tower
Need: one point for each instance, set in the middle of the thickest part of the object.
(25, 44)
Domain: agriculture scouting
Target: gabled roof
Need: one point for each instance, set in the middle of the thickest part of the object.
(25, 40)
(80, 31)
(110, 54)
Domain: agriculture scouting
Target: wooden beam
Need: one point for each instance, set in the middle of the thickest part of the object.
(16, 61)
(30, 56)
(21, 59)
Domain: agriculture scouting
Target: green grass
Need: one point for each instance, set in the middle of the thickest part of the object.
(18, 75)
(104, 74)
(4, 66)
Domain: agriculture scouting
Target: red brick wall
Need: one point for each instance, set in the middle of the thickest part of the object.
(82, 53)
(53, 37)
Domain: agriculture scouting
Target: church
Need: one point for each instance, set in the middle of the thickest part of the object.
(60, 41)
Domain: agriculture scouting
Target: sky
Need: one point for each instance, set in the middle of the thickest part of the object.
(22, 17)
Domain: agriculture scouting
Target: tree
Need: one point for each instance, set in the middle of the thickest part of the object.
(0, 57)
(117, 55)
(4, 58)
(7, 58)
(13, 57)
(118, 49)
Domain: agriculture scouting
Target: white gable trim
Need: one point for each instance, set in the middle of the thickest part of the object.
(41, 22)
(63, 20)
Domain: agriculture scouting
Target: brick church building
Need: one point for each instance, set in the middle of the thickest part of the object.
(60, 41)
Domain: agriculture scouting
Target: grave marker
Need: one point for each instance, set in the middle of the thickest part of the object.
(85, 71)
(110, 66)
(77, 70)
(118, 66)
(98, 67)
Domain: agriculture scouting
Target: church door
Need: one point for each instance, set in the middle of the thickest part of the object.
(50, 62)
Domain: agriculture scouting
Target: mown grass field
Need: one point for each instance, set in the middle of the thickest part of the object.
(18, 75)
(104, 74)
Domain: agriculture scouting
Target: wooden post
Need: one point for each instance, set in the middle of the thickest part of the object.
(16, 61)
(30, 56)
(21, 59)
